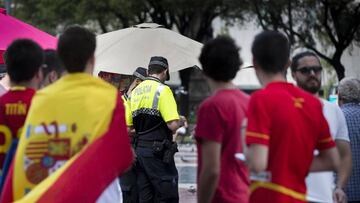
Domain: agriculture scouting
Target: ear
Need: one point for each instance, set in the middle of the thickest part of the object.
(288, 64)
(53, 76)
(163, 73)
(92, 60)
(39, 75)
(90, 65)
(293, 74)
(254, 63)
(38, 78)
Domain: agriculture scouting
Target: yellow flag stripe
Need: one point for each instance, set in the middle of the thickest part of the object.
(257, 135)
(326, 140)
(278, 188)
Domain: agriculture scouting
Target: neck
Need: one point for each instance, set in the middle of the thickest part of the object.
(158, 76)
(217, 85)
(269, 78)
(30, 84)
(132, 86)
(89, 69)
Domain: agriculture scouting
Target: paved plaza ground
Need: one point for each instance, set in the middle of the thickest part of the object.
(186, 162)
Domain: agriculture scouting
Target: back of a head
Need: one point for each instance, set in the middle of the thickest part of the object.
(75, 47)
(52, 63)
(349, 90)
(23, 60)
(271, 51)
(157, 65)
(220, 59)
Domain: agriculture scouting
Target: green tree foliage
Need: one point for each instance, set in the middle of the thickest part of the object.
(192, 18)
(326, 27)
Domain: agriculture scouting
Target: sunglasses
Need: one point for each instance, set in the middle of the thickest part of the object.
(307, 70)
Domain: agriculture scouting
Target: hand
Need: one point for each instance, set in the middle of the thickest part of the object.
(183, 121)
(339, 195)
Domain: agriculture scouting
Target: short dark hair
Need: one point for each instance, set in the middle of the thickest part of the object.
(23, 59)
(155, 70)
(271, 51)
(75, 47)
(297, 57)
(52, 63)
(220, 59)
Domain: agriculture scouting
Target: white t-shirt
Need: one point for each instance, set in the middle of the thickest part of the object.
(321, 184)
(112, 194)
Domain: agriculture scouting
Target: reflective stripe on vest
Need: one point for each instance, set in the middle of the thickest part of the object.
(157, 96)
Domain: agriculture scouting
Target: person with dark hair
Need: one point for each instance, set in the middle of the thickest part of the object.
(24, 59)
(306, 70)
(295, 60)
(75, 143)
(221, 178)
(77, 56)
(138, 76)
(54, 70)
(221, 52)
(349, 101)
(155, 118)
(285, 125)
(128, 179)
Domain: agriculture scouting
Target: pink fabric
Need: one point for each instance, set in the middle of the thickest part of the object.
(1, 55)
(12, 29)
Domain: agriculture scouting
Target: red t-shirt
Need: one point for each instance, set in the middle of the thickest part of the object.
(219, 119)
(14, 106)
(291, 123)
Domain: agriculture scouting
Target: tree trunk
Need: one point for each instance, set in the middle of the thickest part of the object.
(339, 68)
(336, 63)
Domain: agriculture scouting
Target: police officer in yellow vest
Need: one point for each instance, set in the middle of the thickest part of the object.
(138, 76)
(155, 118)
(128, 179)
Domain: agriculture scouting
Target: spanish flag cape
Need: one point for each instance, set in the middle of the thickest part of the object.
(74, 143)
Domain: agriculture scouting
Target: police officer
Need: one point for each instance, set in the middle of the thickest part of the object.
(128, 179)
(139, 75)
(155, 118)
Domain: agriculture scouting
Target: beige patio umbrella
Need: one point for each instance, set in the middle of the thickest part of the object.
(124, 50)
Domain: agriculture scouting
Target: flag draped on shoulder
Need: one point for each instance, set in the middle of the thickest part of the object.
(74, 143)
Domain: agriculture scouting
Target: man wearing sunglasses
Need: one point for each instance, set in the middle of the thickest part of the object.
(307, 72)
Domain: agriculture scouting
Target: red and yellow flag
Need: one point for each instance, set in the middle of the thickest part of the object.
(74, 143)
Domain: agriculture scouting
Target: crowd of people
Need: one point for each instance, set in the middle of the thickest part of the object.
(68, 136)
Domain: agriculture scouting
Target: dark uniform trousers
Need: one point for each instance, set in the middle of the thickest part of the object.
(157, 181)
(128, 186)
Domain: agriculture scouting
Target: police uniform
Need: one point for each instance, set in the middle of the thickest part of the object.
(152, 104)
(128, 179)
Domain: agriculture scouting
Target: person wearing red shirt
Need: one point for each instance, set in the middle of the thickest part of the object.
(24, 59)
(221, 177)
(285, 124)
